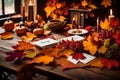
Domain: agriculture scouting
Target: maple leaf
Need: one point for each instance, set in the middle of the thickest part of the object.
(30, 53)
(22, 45)
(109, 63)
(92, 6)
(84, 3)
(64, 52)
(105, 24)
(102, 49)
(13, 55)
(106, 3)
(29, 36)
(96, 63)
(58, 5)
(78, 56)
(65, 63)
(54, 16)
(45, 59)
(6, 35)
(88, 45)
(49, 10)
(62, 18)
(50, 52)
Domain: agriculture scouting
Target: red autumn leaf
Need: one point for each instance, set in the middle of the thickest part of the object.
(115, 22)
(109, 63)
(65, 63)
(88, 28)
(13, 55)
(78, 56)
(15, 47)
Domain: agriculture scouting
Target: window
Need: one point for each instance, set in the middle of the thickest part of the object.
(8, 7)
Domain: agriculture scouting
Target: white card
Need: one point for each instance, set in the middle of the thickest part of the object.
(87, 59)
(72, 60)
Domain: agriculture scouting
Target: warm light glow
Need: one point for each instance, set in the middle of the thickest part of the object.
(30, 3)
(111, 12)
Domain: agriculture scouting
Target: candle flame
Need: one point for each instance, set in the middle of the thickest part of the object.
(110, 11)
(30, 3)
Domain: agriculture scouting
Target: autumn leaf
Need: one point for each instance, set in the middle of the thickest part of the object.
(29, 36)
(102, 49)
(84, 3)
(78, 56)
(115, 22)
(30, 53)
(96, 63)
(45, 59)
(54, 16)
(106, 3)
(50, 52)
(92, 6)
(6, 35)
(58, 5)
(49, 10)
(22, 45)
(14, 55)
(62, 18)
(88, 45)
(64, 52)
(105, 24)
(109, 63)
(65, 63)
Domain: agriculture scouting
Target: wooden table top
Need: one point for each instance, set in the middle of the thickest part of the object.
(83, 73)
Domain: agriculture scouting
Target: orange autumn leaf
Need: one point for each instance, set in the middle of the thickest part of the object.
(50, 51)
(22, 45)
(96, 63)
(49, 10)
(106, 3)
(65, 63)
(92, 6)
(102, 49)
(64, 52)
(88, 45)
(7, 35)
(105, 24)
(58, 5)
(62, 18)
(84, 3)
(109, 63)
(29, 36)
(43, 59)
(54, 16)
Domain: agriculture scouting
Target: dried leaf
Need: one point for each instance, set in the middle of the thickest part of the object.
(66, 64)
(84, 3)
(102, 49)
(109, 63)
(22, 45)
(29, 36)
(13, 55)
(105, 24)
(88, 45)
(64, 52)
(78, 56)
(92, 6)
(6, 35)
(106, 3)
(50, 52)
(30, 53)
(43, 59)
(96, 63)
(49, 10)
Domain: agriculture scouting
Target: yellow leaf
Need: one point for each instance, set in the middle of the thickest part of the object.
(30, 53)
(49, 10)
(7, 35)
(92, 6)
(29, 36)
(102, 49)
(105, 24)
(96, 63)
(64, 52)
(88, 45)
(84, 3)
(58, 5)
(106, 3)
(45, 59)
(54, 16)
(62, 18)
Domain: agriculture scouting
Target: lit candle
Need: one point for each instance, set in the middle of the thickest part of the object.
(111, 16)
(73, 23)
(82, 20)
(97, 24)
(30, 12)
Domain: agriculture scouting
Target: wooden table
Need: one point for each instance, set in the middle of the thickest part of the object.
(83, 73)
